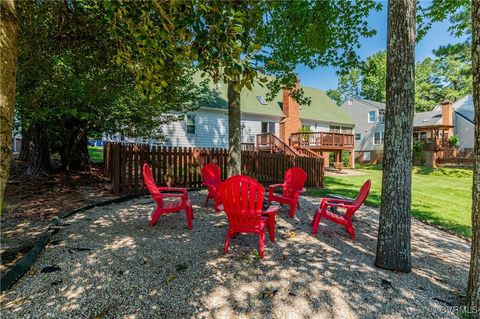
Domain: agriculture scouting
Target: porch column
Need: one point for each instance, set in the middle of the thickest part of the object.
(351, 159)
(338, 156)
(326, 159)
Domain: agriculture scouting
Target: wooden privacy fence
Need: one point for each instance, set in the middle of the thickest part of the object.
(181, 166)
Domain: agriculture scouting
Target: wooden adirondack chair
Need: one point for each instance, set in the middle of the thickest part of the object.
(242, 199)
(212, 177)
(293, 186)
(160, 193)
(350, 206)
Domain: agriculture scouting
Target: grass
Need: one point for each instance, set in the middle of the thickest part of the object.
(440, 196)
(96, 154)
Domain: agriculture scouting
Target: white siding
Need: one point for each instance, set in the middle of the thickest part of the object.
(465, 131)
(317, 127)
(252, 125)
(211, 130)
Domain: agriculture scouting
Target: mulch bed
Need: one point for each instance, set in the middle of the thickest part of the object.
(32, 202)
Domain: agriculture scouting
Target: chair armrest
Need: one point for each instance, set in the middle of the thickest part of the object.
(303, 190)
(170, 191)
(272, 210)
(334, 200)
(271, 188)
(339, 205)
(209, 185)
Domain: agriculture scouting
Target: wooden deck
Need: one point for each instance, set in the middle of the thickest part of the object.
(322, 141)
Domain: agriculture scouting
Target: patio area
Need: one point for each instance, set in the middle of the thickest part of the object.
(107, 262)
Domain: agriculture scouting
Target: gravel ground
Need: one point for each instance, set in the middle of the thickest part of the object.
(108, 263)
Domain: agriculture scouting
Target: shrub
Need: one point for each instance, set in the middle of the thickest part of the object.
(454, 141)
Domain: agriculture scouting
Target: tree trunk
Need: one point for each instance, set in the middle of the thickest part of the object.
(74, 154)
(473, 289)
(393, 244)
(8, 65)
(25, 146)
(234, 164)
(39, 159)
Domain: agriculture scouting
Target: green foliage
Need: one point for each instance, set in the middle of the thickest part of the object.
(458, 12)
(454, 141)
(243, 42)
(374, 75)
(419, 152)
(441, 196)
(349, 85)
(69, 82)
(447, 76)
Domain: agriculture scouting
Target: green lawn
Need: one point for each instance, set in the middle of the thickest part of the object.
(441, 196)
(96, 154)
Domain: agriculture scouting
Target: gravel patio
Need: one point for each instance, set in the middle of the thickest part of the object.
(108, 263)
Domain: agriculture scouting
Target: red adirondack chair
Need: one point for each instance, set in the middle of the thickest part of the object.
(212, 177)
(242, 199)
(160, 193)
(350, 208)
(293, 186)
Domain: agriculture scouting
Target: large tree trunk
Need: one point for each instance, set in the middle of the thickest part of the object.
(473, 289)
(39, 159)
(25, 146)
(74, 154)
(234, 164)
(8, 65)
(393, 244)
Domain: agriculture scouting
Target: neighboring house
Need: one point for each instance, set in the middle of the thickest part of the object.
(369, 117)
(445, 120)
(283, 117)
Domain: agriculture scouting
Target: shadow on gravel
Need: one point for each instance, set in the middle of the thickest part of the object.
(112, 264)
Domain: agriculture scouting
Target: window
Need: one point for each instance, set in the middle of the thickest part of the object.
(346, 130)
(372, 116)
(191, 124)
(261, 99)
(378, 138)
(334, 129)
(358, 136)
(268, 127)
(381, 117)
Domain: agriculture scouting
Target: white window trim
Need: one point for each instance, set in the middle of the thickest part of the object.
(194, 123)
(376, 116)
(360, 134)
(382, 138)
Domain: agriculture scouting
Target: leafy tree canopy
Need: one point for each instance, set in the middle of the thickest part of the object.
(242, 41)
(448, 75)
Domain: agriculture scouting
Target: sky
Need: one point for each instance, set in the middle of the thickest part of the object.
(324, 78)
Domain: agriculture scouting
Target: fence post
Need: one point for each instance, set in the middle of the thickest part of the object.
(115, 150)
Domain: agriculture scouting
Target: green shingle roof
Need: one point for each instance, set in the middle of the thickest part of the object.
(321, 109)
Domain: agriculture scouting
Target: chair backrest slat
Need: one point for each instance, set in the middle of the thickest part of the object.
(242, 198)
(150, 184)
(211, 174)
(360, 199)
(295, 178)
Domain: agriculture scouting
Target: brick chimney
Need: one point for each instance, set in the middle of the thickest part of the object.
(291, 122)
(447, 115)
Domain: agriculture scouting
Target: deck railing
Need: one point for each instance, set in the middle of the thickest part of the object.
(269, 141)
(328, 140)
(248, 147)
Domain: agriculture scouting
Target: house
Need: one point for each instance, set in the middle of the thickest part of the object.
(446, 120)
(435, 127)
(272, 125)
(369, 117)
